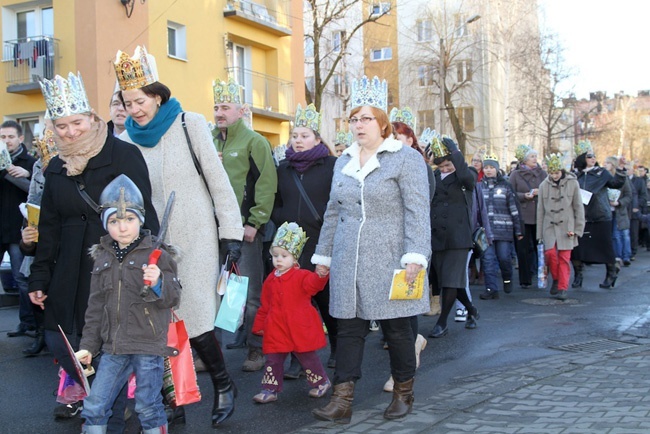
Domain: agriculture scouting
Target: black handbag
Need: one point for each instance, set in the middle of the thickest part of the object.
(479, 238)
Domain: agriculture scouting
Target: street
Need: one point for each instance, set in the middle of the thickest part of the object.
(518, 333)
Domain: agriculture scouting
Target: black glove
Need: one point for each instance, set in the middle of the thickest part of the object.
(427, 152)
(450, 144)
(233, 252)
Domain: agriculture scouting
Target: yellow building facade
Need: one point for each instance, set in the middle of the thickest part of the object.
(260, 42)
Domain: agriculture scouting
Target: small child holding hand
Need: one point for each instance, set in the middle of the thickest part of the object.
(129, 328)
(287, 319)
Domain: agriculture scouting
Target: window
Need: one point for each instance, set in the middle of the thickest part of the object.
(20, 22)
(461, 25)
(425, 76)
(466, 118)
(309, 47)
(379, 8)
(381, 54)
(176, 42)
(425, 30)
(339, 85)
(311, 84)
(241, 60)
(425, 119)
(464, 69)
(337, 40)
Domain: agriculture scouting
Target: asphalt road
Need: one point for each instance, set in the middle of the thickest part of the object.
(518, 328)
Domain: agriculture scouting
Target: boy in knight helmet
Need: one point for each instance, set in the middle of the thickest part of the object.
(128, 328)
(287, 320)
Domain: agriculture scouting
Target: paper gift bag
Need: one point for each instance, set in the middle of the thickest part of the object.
(180, 386)
(231, 312)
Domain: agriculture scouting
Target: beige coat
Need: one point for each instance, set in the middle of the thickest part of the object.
(191, 227)
(560, 211)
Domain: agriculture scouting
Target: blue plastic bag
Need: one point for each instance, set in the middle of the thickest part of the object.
(541, 267)
(231, 312)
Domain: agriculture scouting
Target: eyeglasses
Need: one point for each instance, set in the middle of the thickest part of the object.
(364, 120)
(476, 161)
(590, 156)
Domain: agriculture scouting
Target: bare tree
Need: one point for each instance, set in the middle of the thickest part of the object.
(328, 52)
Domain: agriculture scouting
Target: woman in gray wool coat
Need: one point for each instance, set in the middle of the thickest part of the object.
(376, 221)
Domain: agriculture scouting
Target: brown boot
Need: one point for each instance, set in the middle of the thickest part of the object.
(339, 409)
(402, 402)
(434, 303)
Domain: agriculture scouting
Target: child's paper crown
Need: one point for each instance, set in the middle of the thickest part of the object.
(290, 237)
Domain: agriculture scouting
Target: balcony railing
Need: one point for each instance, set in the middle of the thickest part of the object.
(28, 60)
(265, 92)
(273, 14)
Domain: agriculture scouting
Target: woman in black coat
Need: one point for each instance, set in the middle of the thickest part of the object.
(308, 163)
(89, 159)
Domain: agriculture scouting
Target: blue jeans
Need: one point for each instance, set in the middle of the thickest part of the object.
(114, 371)
(621, 238)
(25, 307)
(497, 256)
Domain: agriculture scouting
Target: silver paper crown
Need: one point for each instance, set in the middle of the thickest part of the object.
(343, 138)
(373, 93)
(428, 136)
(65, 97)
(307, 117)
(404, 115)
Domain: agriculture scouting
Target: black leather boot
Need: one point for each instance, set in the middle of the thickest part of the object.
(240, 339)
(577, 279)
(610, 278)
(225, 391)
(37, 346)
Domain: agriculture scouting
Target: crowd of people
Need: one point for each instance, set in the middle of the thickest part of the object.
(321, 236)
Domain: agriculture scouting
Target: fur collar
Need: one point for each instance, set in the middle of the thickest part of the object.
(353, 167)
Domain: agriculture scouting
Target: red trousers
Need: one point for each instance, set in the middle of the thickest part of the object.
(558, 262)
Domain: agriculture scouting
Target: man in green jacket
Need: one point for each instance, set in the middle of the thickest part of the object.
(246, 156)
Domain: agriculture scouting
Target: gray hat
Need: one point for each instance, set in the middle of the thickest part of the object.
(119, 196)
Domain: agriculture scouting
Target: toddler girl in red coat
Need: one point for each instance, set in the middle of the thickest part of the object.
(287, 320)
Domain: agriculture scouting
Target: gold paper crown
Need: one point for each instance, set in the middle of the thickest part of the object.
(434, 148)
(554, 163)
(373, 93)
(489, 155)
(290, 237)
(404, 115)
(583, 147)
(47, 147)
(65, 97)
(308, 118)
(230, 92)
(137, 71)
(521, 151)
(343, 138)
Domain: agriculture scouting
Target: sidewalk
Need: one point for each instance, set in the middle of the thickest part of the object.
(603, 389)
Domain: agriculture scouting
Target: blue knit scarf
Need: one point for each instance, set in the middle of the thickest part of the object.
(149, 135)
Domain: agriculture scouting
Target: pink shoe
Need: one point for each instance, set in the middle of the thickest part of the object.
(318, 392)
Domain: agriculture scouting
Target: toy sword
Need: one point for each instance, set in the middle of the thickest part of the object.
(155, 255)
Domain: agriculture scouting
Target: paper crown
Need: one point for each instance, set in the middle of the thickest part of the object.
(404, 115)
(554, 163)
(490, 156)
(521, 151)
(308, 118)
(46, 147)
(230, 92)
(583, 147)
(65, 97)
(434, 147)
(290, 237)
(343, 138)
(373, 93)
(137, 71)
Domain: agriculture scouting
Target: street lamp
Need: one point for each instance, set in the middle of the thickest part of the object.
(443, 69)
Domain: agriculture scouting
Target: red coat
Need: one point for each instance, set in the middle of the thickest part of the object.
(287, 318)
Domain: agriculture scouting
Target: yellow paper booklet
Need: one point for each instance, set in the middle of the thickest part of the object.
(400, 290)
(33, 214)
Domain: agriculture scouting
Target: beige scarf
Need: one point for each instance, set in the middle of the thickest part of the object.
(76, 155)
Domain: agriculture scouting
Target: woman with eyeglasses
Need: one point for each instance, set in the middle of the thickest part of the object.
(376, 222)
(595, 246)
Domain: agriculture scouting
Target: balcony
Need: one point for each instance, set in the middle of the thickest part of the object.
(267, 95)
(269, 15)
(27, 61)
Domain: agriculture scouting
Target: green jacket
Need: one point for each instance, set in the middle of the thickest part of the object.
(247, 158)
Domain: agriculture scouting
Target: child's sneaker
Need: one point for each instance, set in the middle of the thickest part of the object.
(318, 392)
(266, 396)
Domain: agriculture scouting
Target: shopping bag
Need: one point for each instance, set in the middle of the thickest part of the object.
(180, 386)
(131, 385)
(231, 312)
(541, 267)
(69, 391)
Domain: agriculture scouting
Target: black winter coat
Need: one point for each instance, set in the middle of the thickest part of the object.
(291, 207)
(68, 227)
(11, 220)
(597, 181)
(451, 208)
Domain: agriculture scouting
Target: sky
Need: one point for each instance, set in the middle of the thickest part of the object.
(605, 41)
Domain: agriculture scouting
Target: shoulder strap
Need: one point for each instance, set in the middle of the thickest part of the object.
(303, 193)
(81, 188)
(197, 165)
